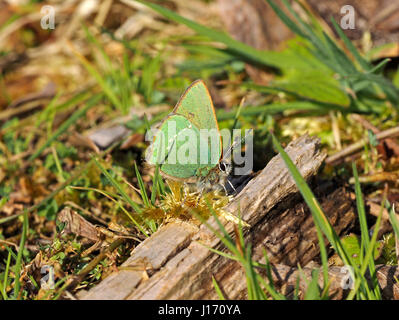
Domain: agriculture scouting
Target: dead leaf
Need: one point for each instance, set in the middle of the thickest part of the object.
(133, 140)
(107, 136)
(78, 225)
(78, 140)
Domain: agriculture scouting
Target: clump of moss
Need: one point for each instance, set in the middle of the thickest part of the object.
(181, 203)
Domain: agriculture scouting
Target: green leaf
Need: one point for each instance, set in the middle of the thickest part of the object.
(352, 244)
(155, 185)
(249, 53)
(148, 78)
(372, 138)
(313, 290)
(396, 78)
(391, 92)
(315, 86)
(274, 108)
(48, 210)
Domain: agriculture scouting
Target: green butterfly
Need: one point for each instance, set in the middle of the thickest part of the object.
(188, 145)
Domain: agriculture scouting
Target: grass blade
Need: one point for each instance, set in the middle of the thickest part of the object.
(218, 290)
(361, 211)
(18, 263)
(394, 221)
(142, 186)
(65, 125)
(108, 91)
(248, 52)
(288, 22)
(313, 290)
(324, 256)
(362, 62)
(318, 216)
(342, 64)
(125, 196)
(5, 281)
(275, 108)
(379, 67)
(118, 187)
(369, 256)
(155, 185)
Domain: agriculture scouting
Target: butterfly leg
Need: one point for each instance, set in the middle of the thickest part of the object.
(185, 190)
(201, 186)
(231, 185)
(200, 195)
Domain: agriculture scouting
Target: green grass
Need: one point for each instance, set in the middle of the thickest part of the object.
(126, 197)
(17, 267)
(61, 129)
(309, 66)
(362, 289)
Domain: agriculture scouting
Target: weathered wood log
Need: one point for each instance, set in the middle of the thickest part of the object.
(175, 264)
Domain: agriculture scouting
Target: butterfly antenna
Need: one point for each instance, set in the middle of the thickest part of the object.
(238, 112)
(237, 142)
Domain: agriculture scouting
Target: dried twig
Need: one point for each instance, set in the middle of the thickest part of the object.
(337, 157)
(391, 144)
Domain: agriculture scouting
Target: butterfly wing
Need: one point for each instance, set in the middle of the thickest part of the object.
(177, 148)
(196, 105)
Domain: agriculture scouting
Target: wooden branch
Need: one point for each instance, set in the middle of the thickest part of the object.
(390, 143)
(357, 146)
(175, 264)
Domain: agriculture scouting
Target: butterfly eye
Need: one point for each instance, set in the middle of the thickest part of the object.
(224, 166)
